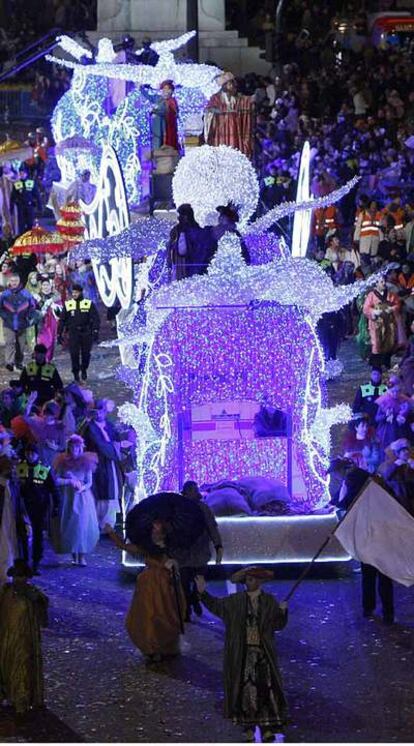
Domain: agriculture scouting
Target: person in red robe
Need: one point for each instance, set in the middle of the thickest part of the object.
(229, 117)
(164, 116)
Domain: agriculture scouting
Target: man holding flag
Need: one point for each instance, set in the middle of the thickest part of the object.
(354, 484)
(379, 532)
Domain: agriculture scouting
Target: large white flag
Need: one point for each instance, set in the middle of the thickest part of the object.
(379, 531)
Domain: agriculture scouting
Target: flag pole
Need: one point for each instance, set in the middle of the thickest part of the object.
(329, 537)
(309, 565)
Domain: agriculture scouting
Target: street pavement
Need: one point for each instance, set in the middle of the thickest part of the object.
(347, 679)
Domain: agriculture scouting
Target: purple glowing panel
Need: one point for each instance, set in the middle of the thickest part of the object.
(217, 354)
(207, 460)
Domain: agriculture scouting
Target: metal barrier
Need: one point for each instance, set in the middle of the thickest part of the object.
(17, 104)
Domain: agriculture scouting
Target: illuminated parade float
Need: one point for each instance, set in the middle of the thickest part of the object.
(226, 369)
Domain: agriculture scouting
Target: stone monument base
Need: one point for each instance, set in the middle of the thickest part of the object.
(165, 19)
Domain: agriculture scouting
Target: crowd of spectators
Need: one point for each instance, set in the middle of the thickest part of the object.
(355, 106)
(23, 25)
(23, 22)
(49, 85)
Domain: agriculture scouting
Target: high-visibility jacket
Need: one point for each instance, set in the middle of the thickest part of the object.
(79, 317)
(44, 379)
(369, 225)
(325, 219)
(37, 473)
(84, 305)
(331, 222)
(398, 215)
(318, 222)
(358, 212)
(368, 390)
(406, 282)
(45, 371)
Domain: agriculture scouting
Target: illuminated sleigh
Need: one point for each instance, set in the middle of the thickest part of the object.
(212, 345)
(205, 367)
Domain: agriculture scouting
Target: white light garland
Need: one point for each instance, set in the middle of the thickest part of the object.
(151, 444)
(288, 208)
(114, 282)
(208, 177)
(146, 236)
(325, 419)
(107, 215)
(170, 45)
(333, 369)
(189, 75)
(72, 47)
(229, 281)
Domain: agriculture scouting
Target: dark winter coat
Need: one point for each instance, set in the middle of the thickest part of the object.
(400, 479)
(233, 611)
(105, 486)
(17, 309)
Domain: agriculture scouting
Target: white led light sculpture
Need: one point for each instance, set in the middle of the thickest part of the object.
(107, 215)
(72, 47)
(208, 177)
(303, 218)
(188, 75)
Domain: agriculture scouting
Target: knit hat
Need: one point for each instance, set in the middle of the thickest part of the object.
(255, 571)
(40, 348)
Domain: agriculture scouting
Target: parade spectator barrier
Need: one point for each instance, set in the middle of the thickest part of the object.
(16, 104)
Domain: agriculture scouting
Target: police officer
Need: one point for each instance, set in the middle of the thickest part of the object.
(367, 395)
(25, 195)
(39, 493)
(81, 319)
(40, 376)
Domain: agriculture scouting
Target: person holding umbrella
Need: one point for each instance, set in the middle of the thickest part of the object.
(156, 528)
(154, 619)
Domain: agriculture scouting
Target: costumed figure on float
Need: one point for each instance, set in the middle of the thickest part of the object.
(229, 117)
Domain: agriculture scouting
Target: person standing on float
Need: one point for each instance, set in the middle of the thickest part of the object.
(229, 117)
(164, 116)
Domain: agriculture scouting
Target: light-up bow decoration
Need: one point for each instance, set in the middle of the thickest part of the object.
(108, 215)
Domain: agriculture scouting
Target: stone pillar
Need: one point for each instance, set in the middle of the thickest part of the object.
(157, 15)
